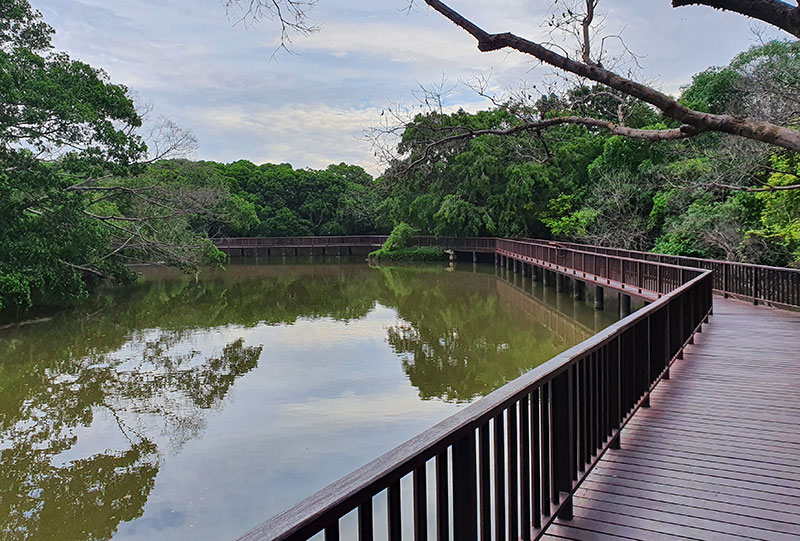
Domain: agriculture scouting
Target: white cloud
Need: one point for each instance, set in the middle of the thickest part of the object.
(314, 135)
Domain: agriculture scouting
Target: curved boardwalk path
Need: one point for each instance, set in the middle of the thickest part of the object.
(717, 455)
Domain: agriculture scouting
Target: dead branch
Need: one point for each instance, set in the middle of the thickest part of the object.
(775, 12)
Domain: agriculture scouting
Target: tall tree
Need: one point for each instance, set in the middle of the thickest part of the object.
(68, 140)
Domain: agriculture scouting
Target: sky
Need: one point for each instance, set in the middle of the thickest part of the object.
(225, 82)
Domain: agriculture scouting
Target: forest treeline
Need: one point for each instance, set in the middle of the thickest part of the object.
(712, 196)
(83, 192)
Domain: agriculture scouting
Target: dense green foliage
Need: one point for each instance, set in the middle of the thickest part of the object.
(50, 101)
(693, 197)
(69, 152)
(277, 200)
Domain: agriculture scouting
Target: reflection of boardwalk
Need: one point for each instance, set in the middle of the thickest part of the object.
(563, 325)
(717, 455)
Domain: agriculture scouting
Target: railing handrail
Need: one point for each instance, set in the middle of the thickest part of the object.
(779, 286)
(681, 257)
(315, 512)
(616, 257)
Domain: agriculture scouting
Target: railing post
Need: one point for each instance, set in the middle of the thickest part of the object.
(465, 508)
(442, 508)
(563, 440)
(598, 298)
(365, 521)
(639, 274)
(755, 285)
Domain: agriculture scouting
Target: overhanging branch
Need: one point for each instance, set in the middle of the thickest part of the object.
(775, 12)
(744, 127)
(616, 129)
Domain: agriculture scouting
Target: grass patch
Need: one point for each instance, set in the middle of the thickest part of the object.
(412, 253)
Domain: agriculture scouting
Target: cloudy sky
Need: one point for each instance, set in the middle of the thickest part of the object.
(222, 81)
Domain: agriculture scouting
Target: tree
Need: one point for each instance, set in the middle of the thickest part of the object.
(69, 141)
(578, 18)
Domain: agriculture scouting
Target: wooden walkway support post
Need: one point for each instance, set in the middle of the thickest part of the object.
(624, 305)
(598, 298)
(578, 290)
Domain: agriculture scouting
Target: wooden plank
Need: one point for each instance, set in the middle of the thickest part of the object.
(702, 454)
(698, 432)
(589, 529)
(677, 524)
(710, 519)
(699, 490)
(742, 485)
(699, 499)
(654, 529)
(690, 463)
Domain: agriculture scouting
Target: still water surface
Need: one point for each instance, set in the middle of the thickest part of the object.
(194, 409)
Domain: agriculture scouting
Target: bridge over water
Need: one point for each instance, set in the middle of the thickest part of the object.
(682, 420)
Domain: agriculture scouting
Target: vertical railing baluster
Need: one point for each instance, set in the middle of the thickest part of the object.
(591, 444)
(485, 485)
(513, 473)
(597, 389)
(394, 510)
(563, 448)
(499, 479)
(332, 532)
(420, 504)
(465, 508)
(525, 469)
(615, 392)
(575, 466)
(442, 506)
(584, 423)
(536, 461)
(547, 468)
(603, 380)
(365, 532)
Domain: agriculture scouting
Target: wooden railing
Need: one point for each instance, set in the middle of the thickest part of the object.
(509, 463)
(634, 274)
(759, 283)
(313, 242)
(485, 244)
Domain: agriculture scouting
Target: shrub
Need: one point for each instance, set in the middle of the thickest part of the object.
(399, 238)
(414, 253)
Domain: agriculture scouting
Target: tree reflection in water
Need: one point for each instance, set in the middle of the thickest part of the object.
(44, 408)
(125, 363)
(459, 343)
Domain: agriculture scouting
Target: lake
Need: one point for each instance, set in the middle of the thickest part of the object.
(187, 407)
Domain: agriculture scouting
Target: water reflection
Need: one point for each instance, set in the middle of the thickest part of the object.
(114, 419)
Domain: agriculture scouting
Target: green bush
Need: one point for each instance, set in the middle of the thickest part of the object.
(414, 253)
(399, 238)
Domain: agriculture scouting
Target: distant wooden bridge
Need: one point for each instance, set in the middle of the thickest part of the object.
(682, 420)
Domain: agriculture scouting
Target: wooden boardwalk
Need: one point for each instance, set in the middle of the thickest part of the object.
(717, 455)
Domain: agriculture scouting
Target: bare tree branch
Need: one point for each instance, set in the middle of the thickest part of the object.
(766, 188)
(774, 12)
(649, 135)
